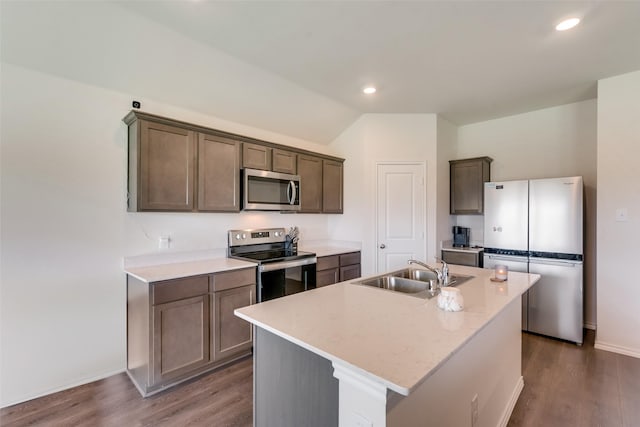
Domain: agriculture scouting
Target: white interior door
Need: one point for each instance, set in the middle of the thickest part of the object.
(401, 231)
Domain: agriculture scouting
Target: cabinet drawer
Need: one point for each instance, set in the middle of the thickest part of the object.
(349, 259)
(328, 262)
(177, 289)
(349, 272)
(233, 279)
(461, 258)
(327, 277)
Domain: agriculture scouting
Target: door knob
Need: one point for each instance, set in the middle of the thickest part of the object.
(382, 246)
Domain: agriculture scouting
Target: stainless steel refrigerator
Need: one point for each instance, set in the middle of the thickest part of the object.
(536, 226)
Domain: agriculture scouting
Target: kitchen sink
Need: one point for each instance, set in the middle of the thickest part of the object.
(398, 284)
(412, 281)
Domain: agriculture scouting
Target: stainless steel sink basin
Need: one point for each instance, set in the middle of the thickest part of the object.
(398, 284)
(415, 282)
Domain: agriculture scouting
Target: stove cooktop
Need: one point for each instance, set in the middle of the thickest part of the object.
(274, 255)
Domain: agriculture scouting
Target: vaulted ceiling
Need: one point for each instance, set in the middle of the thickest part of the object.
(469, 61)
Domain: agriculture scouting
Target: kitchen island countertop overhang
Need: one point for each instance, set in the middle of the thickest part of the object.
(390, 338)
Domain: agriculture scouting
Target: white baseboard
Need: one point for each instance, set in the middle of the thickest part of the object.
(633, 352)
(64, 387)
(589, 325)
(504, 420)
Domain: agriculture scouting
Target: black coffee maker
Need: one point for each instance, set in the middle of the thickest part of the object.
(461, 236)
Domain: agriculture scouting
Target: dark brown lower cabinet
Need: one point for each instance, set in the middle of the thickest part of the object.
(180, 337)
(231, 335)
(327, 270)
(181, 328)
(337, 268)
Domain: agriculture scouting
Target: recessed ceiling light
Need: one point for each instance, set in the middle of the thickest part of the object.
(369, 90)
(567, 24)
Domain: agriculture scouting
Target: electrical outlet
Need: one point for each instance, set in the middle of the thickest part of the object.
(474, 411)
(164, 242)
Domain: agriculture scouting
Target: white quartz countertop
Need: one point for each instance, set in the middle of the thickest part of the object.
(155, 273)
(449, 247)
(329, 250)
(392, 338)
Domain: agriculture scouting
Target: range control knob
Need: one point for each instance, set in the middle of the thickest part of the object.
(244, 236)
(238, 236)
(277, 233)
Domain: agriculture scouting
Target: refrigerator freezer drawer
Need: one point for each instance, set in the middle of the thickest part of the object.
(555, 302)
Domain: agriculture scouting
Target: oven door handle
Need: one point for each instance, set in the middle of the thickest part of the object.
(272, 266)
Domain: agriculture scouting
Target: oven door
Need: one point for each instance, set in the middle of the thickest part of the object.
(270, 191)
(279, 279)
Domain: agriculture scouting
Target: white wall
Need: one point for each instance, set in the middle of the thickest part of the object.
(108, 45)
(65, 229)
(382, 137)
(618, 188)
(553, 142)
(447, 142)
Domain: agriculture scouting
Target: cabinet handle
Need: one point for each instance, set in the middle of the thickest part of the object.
(382, 246)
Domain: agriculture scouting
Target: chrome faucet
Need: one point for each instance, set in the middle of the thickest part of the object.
(442, 274)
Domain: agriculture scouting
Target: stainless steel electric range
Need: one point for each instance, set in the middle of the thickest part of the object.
(282, 269)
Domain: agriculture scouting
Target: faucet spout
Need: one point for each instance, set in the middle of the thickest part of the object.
(443, 275)
(428, 267)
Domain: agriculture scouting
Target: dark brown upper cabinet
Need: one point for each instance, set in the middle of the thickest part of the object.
(161, 167)
(284, 161)
(256, 156)
(177, 166)
(332, 185)
(310, 171)
(218, 174)
(467, 178)
(321, 185)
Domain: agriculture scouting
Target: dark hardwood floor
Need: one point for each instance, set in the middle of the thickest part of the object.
(565, 385)
(221, 398)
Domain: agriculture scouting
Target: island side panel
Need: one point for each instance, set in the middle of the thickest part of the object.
(292, 386)
(138, 340)
(489, 365)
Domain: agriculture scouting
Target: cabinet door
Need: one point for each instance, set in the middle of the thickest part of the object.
(310, 171)
(231, 334)
(218, 174)
(332, 184)
(284, 161)
(327, 277)
(349, 272)
(467, 178)
(167, 167)
(180, 337)
(256, 156)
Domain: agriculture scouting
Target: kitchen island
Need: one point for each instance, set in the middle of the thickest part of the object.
(353, 355)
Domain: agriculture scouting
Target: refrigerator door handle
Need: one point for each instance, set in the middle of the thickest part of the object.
(555, 262)
(507, 258)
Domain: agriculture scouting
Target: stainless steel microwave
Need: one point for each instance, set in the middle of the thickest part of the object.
(270, 191)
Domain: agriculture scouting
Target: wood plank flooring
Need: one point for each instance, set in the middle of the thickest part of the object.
(565, 385)
(221, 398)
